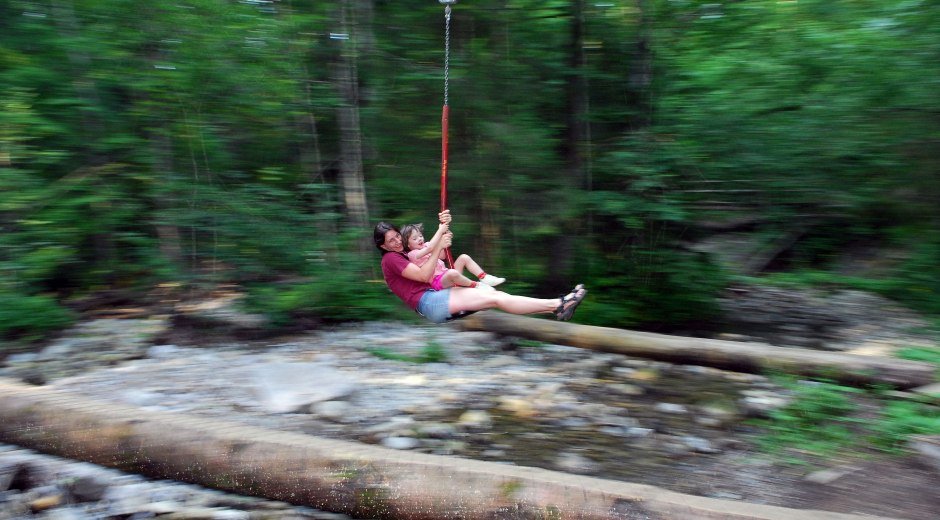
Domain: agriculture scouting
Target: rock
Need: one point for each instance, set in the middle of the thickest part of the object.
(45, 502)
(759, 403)
(292, 387)
(438, 430)
(575, 463)
(400, 423)
(25, 357)
(163, 507)
(931, 390)
(627, 389)
(928, 448)
(333, 410)
(699, 444)
(142, 398)
(644, 375)
(475, 419)
(18, 475)
(127, 499)
(670, 408)
(222, 311)
(163, 351)
(517, 406)
(86, 488)
(501, 361)
(825, 476)
(401, 443)
(207, 513)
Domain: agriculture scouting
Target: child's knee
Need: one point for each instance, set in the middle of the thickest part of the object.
(463, 258)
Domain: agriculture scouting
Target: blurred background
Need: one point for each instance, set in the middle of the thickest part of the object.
(659, 151)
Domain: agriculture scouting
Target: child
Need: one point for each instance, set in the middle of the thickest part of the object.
(419, 252)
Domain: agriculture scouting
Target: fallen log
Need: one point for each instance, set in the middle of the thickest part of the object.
(344, 477)
(849, 369)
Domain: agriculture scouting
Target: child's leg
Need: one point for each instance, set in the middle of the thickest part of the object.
(465, 262)
(453, 277)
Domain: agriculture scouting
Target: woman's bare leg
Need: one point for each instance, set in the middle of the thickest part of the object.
(467, 299)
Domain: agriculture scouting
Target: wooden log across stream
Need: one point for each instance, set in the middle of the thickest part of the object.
(845, 368)
(360, 480)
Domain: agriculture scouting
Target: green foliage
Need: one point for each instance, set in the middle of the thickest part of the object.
(333, 289)
(333, 297)
(431, 353)
(925, 354)
(912, 282)
(145, 141)
(916, 282)
(27, 317)
(825, 419)
(902, 419)
(816, 420)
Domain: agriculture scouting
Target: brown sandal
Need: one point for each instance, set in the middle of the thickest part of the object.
(570, 302)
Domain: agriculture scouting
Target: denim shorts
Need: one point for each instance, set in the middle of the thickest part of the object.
(435, 305)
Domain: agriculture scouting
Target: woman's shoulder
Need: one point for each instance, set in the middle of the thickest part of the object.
(394, 257)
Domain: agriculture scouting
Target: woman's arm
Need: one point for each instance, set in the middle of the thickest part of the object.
(425, 273)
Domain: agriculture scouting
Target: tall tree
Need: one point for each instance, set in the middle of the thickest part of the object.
(346, 81)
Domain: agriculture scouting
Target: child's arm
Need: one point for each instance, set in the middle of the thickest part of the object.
(426, 272)
(430, 244)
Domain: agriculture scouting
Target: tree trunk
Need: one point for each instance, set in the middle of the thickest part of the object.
(168, 235)
(356, 479)
(742, 357)
(346, 82)
(563, 247)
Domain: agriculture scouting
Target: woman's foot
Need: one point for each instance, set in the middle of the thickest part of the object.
(570, 302)
(491, 280)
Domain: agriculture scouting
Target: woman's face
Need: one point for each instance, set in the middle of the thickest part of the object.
(393, 241)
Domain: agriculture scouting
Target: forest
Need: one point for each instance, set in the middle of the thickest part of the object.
(186, 145)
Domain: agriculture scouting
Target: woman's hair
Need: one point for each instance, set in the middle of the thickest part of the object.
(379, 234)
(406, 232)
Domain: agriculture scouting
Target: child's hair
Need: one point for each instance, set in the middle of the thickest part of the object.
(406, 232)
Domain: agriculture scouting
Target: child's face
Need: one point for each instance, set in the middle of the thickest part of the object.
(415, 240)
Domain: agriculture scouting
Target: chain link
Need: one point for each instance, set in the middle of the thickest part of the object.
(446, 53)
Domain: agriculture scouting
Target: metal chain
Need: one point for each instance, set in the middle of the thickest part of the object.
(446, 52)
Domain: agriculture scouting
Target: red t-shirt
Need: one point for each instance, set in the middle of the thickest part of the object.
(409, 291)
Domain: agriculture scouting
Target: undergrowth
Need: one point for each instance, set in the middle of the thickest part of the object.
(432, 353)
(826, 419)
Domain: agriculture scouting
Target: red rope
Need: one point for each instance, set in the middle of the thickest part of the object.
(444, 123)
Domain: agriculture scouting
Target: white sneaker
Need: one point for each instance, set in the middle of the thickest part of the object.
(483, 286)
(492, 281)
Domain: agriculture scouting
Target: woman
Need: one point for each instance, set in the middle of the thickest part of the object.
(411, 283)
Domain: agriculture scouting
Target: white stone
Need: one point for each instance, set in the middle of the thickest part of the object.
(291, 387)
(401, 443)
(670, 408)
(475, 419)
